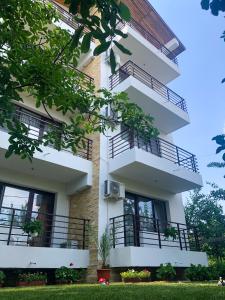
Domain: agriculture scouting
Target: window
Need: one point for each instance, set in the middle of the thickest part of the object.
(26, 204)
(146, 210)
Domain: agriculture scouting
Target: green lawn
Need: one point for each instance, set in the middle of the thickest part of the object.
(152, 291)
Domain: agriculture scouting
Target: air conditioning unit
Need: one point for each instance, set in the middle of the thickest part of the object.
(114, 190)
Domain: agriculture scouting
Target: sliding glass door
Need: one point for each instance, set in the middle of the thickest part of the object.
(141, 214)
(26, 204)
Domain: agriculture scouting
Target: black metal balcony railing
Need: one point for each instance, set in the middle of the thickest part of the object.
(131, 69)
(149, 37)
(39, 126)
(68, 18)
(127, 140)
(57, 231)
(64, 15)
(140, 231)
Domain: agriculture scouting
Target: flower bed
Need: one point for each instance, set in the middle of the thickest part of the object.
(32, 279)
(132, 276)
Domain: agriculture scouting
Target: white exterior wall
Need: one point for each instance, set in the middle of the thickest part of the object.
(37, 257)
(144, 257)
(23, 180)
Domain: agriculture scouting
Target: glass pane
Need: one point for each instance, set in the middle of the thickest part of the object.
(129, 210)
(15, 198)
(145, 211)
(160, 213)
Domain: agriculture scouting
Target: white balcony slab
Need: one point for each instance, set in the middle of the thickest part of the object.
(151, 170)
(147, 56)
(167, 116)
(38, 257)
(153, 257)
(60, 166)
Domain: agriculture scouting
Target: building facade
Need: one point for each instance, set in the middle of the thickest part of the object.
(119, 181)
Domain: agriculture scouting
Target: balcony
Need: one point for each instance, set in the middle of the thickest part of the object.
(72, 169)
(63, 240)
(68, 22)
(141, 241)
(148, 52)
(154, 162)
(167, 107)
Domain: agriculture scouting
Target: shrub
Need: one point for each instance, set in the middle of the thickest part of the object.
(217, 269)
(66, 275)
(166, 272)
(198, 273)
(2, 277)
(30, 277)
(132, 274)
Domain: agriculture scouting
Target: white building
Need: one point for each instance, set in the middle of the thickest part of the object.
(144, 179)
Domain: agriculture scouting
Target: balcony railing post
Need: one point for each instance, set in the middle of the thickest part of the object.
(179, 236)
(124, 231)
(88, 149)
(159, 235)
(114, 233)
(134, 230)
(11, 226)
(84, 233)
(185, 241)
(178, 156)
(193, 164)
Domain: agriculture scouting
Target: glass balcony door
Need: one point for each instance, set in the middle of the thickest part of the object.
(141, 215)
(26, 204)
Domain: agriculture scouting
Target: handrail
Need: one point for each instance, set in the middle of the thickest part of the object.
(131, 69)
(39, 126)
(68, 18)
(153, 40)
(140, 231)
(128, 139)
(58, 231)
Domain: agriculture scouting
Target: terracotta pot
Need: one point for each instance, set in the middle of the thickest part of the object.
(103, 273)
(32, 283)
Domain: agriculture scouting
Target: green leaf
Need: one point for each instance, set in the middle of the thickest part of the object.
(223, 80)
(120, 33)
(86, 42)
(76, 37)
(122, 48)
(74, 6)
(112, 61)
(101, 48)
(124, 12)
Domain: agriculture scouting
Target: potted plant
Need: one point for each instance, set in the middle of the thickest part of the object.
(104, 246)
(66, 275)
(32, 279)
(2, 278)
(170, 232)
(132, 276)
(33, 228)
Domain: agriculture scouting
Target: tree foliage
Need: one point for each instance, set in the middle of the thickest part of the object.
(216, 6)
(99, 19)
(206, 213)
(38, 60)
(220, 140)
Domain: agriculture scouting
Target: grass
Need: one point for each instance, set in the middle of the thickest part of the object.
(150, 291)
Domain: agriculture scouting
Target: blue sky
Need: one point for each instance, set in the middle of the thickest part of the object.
(202, 69)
